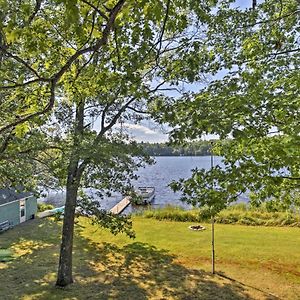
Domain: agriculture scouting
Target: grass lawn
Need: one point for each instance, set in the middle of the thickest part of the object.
(165, 261)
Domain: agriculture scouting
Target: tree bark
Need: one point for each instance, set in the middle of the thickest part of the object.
(64, 275)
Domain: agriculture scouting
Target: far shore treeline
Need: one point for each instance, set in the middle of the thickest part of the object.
(198, 148)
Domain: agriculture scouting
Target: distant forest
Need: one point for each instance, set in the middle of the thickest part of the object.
(199, 148)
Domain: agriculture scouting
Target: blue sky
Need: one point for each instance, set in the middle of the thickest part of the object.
(246, 3)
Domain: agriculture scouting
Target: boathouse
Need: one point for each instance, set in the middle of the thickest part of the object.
(16, 207)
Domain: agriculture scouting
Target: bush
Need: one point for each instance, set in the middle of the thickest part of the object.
(235, 214)
(227, 218)
(239, 207)
(44, 206)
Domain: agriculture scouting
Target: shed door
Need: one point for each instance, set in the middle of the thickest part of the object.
(22, 211)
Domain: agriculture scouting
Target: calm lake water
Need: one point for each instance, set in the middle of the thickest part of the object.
(171, 168)
(158, 175)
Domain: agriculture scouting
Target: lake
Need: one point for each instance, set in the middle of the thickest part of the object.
(168, 168)
(159, 175)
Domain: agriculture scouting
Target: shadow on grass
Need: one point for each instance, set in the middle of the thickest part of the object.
(102, 271)
(270, 296)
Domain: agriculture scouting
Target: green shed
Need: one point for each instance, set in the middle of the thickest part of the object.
(16, 207)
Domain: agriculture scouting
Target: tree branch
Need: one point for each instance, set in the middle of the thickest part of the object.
(115, 118)
(91, 31)
(37, 7)
(98, 44)
(20, 60)
(137, 110)
(163, 30)
(27, 151)
(117, 45)
(6, 87)
(55, 78)
(104, 115)
(46, 109)
(271, 20)
(290, 178)
(285, 52)
(5, 143)
(95, 8)
(103, 130)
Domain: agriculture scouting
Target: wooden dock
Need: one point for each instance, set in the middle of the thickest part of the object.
(45, 214)
(118, 208)
(51, 212)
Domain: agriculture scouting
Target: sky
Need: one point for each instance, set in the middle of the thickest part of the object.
(148, 131)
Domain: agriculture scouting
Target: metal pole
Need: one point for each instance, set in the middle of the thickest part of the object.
(212, 218)
(213, 244)
(211, 157)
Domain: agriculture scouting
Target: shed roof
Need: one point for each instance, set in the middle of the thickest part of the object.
(10, 195)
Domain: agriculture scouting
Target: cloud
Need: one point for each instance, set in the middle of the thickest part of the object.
(143, 133)
(140, 128)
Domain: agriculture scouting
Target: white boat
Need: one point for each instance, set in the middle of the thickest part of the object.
(146, 194)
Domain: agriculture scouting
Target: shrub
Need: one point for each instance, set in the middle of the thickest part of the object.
(235, 214)
(44, 206)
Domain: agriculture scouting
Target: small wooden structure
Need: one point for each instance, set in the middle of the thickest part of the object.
(119, 207)
(51, 212)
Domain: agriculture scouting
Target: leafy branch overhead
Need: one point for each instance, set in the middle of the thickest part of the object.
(15, 37)
(254, 108)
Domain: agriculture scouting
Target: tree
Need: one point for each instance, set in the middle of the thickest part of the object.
(198, 148)
(255, 106)
(67, 65)
(39, 45)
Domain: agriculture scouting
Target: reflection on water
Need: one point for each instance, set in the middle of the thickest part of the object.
(158, 175)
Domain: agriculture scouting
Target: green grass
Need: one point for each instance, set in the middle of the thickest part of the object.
(237, 214)
(165, 261)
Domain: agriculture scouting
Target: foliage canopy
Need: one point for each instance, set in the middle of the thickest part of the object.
(256, 106)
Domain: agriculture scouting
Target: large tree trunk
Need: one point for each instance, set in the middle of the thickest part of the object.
(64, 276)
